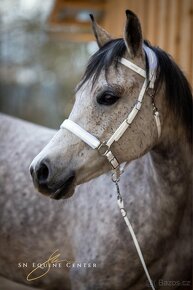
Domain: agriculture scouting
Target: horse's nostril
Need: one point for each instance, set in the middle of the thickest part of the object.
(42, 173)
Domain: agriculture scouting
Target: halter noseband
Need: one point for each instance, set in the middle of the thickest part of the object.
(104, 147)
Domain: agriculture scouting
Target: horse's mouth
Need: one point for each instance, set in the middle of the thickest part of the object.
(66, 190)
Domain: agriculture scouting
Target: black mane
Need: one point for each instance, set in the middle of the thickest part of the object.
(178, 91)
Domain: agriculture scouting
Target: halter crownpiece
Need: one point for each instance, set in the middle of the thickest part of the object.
(152, 61)
(104, 148)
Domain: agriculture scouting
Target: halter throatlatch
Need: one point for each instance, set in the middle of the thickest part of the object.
(104, 148)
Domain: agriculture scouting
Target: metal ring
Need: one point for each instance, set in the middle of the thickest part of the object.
(103, 148)
(114, 178)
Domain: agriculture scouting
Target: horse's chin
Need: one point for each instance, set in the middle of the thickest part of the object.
(66, 190)
(63, 191)
(62, 194)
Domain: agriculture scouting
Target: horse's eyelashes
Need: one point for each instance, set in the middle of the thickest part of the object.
(107, 98)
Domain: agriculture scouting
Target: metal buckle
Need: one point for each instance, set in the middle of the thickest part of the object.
(129, 124)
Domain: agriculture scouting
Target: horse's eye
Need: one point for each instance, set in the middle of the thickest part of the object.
(107, 99)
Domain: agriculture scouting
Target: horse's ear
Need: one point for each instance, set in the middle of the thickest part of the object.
(101, 35)
(133, 35)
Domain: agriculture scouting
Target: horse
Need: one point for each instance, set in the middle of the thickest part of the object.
(156, 184)
(32, 227)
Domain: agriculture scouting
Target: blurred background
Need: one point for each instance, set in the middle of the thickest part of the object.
(45, 45)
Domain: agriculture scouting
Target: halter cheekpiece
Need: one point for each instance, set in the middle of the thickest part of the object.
(104, 148)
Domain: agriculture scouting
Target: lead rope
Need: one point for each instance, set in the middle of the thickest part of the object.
(126, 219)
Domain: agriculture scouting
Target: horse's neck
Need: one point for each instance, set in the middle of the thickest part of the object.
(172, 163)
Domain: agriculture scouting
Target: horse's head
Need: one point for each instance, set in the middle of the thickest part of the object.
(107, 93)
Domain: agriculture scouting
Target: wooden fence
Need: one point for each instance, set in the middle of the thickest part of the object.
(166, 23)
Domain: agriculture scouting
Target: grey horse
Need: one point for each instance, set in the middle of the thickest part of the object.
(88, 228)
(32, 227)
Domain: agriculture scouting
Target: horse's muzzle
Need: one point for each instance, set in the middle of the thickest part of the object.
(43, 179)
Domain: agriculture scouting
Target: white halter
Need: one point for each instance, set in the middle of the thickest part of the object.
(104, 148)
